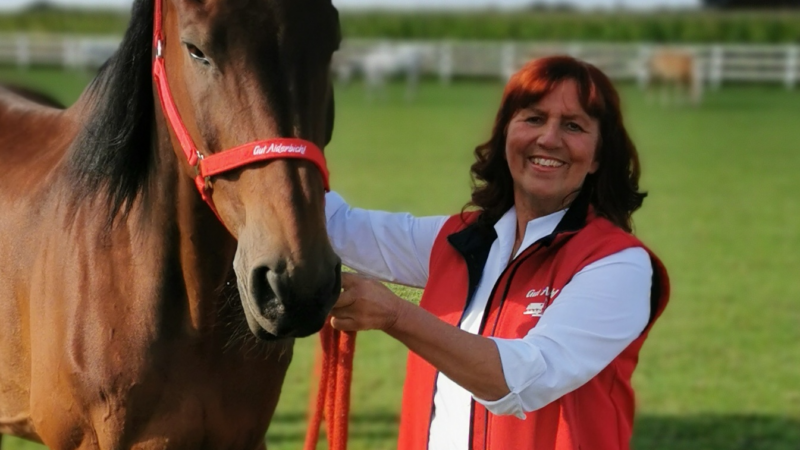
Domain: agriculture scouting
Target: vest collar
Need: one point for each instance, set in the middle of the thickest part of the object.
(475, 240)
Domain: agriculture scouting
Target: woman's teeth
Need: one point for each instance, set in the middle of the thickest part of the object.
(547, 162)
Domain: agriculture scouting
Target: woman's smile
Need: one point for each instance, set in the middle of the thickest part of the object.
(545, 163)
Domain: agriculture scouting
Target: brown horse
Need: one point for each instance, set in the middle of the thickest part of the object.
(677, 71)
(127, 309)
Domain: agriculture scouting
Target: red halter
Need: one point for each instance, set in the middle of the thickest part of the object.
(207, 166)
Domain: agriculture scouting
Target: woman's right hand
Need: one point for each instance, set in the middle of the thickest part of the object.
(365, 304)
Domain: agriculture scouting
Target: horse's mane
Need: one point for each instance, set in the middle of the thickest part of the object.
(111, 154)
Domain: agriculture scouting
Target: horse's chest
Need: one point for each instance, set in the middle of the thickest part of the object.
(180, 398)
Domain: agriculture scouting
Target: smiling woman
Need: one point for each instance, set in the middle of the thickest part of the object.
(537, 304)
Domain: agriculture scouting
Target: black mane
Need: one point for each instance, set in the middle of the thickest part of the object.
(111, 155)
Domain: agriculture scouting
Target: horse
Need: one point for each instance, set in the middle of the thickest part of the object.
(146, 301)
(675, 70)
(382, 62)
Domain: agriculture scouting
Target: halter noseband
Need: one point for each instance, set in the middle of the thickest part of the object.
(208, 166)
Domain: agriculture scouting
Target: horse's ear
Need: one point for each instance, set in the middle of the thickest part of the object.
(330, 118)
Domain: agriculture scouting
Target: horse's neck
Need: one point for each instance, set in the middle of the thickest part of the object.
(205, 248)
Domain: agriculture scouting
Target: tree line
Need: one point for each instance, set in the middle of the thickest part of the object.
(659, 27)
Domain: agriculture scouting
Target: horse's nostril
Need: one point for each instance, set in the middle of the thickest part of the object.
(260, 287)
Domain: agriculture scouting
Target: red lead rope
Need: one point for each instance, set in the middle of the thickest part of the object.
(333, 394)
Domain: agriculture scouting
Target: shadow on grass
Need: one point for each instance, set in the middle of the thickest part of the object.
(697, 432)
(291, 428)
(716, 432)
(700, 432)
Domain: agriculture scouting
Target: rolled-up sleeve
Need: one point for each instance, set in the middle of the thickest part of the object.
(594, 318)
(394, 247)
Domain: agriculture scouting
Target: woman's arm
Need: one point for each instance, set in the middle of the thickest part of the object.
(594, 318)
(470, 360)
(393, 247)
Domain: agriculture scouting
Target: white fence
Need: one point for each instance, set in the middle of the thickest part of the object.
(447, 59)
(56, 50)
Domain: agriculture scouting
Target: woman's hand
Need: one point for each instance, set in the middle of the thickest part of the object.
(469, 360)
(365, 304)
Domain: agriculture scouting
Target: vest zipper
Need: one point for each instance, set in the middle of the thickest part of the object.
(512, 268)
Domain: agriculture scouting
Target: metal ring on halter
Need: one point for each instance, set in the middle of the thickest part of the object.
(206, 180)
(159, 49)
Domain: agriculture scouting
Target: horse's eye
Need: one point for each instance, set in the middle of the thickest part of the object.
(197, 54)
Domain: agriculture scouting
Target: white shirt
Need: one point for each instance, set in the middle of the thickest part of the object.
(592, 320)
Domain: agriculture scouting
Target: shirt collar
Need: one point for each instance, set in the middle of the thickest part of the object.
(506, 229)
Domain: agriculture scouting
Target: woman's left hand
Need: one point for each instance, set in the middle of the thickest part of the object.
(365, 304)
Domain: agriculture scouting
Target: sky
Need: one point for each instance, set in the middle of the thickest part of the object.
(409, 4)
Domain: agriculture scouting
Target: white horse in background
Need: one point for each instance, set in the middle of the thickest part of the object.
(676, 73)
(383, 62)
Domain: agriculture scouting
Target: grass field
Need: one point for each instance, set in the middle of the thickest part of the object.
(721, 370)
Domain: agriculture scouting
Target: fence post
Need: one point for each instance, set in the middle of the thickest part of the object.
(575, 50)
(717, 62)
(791, 66)
(445, 62)
(23, 51)
(508, 61)
(68, 52)
(642, 65)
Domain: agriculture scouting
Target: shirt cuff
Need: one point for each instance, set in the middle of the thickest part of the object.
(516, 357)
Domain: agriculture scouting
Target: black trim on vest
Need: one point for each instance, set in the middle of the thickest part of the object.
(655, 296)
(475, 240)
(573, 220)
(473, 243)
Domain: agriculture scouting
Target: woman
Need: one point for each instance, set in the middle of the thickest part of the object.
(535, 305)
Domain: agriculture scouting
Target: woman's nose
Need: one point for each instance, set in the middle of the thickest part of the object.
(551, 135)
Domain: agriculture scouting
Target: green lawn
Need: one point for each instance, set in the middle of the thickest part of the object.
(721, 370)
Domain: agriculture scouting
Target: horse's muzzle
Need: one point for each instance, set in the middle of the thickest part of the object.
(282, 302)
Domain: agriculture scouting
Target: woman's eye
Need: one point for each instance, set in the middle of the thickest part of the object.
(534, 119)
(572, 126)
(197, 54)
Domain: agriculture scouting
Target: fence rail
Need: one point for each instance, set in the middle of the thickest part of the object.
(448, 59)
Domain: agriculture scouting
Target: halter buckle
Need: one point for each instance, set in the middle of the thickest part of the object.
(198, 172)
(159, 48)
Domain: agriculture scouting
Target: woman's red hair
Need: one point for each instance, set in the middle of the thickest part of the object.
(613, 190)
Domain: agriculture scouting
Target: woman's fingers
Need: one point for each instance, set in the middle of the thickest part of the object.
(364, 304)
(344, 324)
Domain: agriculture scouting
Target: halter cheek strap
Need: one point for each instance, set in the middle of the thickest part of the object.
(208, 166)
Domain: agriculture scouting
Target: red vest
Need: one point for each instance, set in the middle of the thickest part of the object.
(596, 416)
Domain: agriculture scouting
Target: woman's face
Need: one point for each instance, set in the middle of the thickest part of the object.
(550, 148)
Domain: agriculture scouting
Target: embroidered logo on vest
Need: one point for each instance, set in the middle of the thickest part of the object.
(546, 292)
(536, 309)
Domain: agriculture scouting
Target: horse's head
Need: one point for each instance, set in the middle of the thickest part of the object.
(248, 70)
